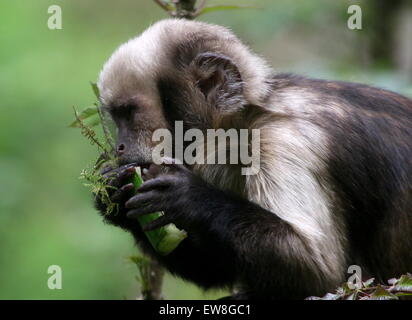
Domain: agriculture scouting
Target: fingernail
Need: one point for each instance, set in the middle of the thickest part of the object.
(153, 169)
(131, 170)
(128, 186)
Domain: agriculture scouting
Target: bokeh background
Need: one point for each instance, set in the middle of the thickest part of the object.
(46, 214)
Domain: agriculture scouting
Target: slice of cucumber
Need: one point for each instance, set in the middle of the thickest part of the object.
(164, 239)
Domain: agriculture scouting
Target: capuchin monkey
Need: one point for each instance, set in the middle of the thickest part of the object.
(334, 187)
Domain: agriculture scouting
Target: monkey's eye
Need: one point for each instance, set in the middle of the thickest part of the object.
(123, 112)
(129, 111)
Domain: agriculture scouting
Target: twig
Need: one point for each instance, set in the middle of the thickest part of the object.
(199, 9)
(153, 290)
(162, 4)
(150, 277)
(88, 132)
(182, 8)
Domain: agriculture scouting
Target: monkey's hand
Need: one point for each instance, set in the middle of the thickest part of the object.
(205, 212)
(119, 189)
(178, 193)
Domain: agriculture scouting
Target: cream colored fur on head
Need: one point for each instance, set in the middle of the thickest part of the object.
(135, 65)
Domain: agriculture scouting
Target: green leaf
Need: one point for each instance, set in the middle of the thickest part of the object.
(139, 260)
(313, 298)
(404, 283)
(328, 296)
(332, 296)
(92, 121)
(225, 7)
(368, 282)
(402, 294)
(382, 294)
(170, 6)
(95, 90)
(352, 296)
(90, 114)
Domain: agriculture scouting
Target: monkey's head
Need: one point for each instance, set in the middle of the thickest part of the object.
(177, 70)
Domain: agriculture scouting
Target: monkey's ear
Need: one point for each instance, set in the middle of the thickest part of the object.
(214, 72)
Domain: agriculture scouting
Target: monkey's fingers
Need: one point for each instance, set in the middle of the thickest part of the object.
(151, 200)
(112, 172)
(141, 211)
(123, 193)
(160, 182)
(158, 223)
(120, 177)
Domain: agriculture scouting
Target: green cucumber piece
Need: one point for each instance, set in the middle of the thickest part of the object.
(164, 239)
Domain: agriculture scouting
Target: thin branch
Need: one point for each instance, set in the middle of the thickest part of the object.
(199, 9)
(150, 277)
(162, 4)
(182, 8)
(153, 291)
(88, 132)
(185, 9)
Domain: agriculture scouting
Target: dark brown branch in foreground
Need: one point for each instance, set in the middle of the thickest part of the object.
(185, 9)
(199, 8)
(162, 4)
(154, 281)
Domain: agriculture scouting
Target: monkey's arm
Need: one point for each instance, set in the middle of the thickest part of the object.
(230, 239)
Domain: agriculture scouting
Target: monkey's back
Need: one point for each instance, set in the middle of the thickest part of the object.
(369, 164)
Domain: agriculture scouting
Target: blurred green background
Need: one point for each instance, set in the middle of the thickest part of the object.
(46, 214)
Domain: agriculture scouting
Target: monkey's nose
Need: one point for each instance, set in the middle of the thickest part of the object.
(121, 148)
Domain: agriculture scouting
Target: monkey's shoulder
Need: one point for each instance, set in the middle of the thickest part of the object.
(341, 96)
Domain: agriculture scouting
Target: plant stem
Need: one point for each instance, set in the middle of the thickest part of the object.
(184, 9)
(153, 281)
(162, 4)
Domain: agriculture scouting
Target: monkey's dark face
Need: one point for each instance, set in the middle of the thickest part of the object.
(136, 120)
